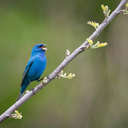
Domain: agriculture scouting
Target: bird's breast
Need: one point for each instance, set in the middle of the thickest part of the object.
(37, 68)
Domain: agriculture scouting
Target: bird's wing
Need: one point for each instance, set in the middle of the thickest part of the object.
(27, 70)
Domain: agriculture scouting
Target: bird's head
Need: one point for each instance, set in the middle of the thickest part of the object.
(39, 48)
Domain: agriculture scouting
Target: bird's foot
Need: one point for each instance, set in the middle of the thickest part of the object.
(40, 79)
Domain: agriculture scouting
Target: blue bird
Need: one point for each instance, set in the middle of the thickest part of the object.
(35, 67)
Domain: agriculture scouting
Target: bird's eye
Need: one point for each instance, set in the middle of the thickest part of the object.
(40, 46)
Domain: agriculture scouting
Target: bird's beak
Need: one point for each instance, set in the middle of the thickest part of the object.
(44, 47)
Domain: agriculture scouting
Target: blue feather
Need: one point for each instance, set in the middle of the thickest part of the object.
(35, 67)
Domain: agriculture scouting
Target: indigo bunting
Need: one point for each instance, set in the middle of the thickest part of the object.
(35, 67)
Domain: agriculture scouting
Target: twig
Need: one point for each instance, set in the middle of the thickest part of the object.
(66, 61)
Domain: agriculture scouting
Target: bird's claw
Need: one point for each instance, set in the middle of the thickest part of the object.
(40, 79)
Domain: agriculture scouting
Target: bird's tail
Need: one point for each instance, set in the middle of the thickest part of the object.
(20, 95)
(23, 87)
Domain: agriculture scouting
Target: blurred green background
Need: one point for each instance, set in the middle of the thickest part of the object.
(97, 97)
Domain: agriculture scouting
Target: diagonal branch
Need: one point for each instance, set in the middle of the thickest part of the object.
(64, 63)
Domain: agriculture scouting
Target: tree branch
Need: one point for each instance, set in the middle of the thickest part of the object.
(64, 63)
